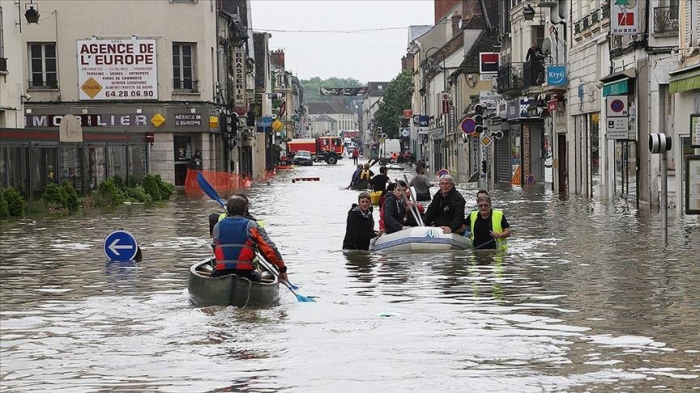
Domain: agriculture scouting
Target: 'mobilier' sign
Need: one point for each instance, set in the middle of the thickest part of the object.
(240, 105)
(117, 69)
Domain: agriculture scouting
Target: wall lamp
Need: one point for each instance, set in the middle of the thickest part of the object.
(529, 12)
(31, 13)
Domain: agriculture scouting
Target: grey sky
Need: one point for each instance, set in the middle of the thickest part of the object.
(366, 56)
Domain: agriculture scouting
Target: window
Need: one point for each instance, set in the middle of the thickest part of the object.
(183, 67)
(42, 65)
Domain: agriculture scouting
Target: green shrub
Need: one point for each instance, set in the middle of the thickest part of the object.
(150, 185)
(4, 212)
(72, 199)
(54, 197)
(157, 188)
(138, 194)
(119, 182)
(108, 194)
(15, 202)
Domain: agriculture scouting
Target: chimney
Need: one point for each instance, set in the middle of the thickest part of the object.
(278, 58)
(456, 17)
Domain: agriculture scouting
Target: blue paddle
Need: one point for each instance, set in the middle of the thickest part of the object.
(268, 266)
(211, 192)
(208, 189)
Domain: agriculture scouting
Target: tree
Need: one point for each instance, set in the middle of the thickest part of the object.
(396, 98)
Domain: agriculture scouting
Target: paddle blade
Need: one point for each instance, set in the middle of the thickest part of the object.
(208, 189)
(304, 299)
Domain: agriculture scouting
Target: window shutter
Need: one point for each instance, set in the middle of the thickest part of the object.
(695, 22)
(688, 26)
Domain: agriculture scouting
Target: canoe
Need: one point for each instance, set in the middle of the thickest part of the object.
(395, 166)
(420, 238)
(228, 290)
(285, 166)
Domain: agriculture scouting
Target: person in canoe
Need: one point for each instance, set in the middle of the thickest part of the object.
(379, 181)
(364, 178)
(421, 183)
(447, 208)
(355, 176)
(359, 227)
(397, 209)
(489, 228)
(216, 217)
(235, 240)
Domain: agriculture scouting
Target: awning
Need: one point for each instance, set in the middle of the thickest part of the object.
(685, 79)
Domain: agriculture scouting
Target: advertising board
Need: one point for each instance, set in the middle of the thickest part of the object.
(117, 69)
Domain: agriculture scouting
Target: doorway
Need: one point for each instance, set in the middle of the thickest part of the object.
(562, 175)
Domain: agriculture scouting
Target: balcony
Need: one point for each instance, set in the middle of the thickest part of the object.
(666, 20)
(3, 64)
(533, 74)
(510, 78)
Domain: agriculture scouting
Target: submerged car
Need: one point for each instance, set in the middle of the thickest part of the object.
(303, 157)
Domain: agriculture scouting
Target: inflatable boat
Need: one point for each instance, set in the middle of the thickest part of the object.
(420, 238)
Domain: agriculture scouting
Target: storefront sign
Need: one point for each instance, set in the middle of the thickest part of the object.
(624, 17)
(127, 120)
(695, 131)
(188, 119)
(692, 184)
(240, 105)
(616, 88)
(117, 69)
(556, 75)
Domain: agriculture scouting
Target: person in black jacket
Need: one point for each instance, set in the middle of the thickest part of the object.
(447, 208)
(359, 229)
(397, 214)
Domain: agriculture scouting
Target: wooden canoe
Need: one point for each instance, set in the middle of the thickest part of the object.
(229, 290)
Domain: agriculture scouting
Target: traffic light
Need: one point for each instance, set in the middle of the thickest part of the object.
(483, 166)
(479, 118)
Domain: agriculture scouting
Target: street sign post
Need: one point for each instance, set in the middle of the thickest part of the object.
(120, 246)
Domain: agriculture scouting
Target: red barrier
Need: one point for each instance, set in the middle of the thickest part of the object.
(296, 179)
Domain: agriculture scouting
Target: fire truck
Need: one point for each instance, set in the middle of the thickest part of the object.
(323, 148)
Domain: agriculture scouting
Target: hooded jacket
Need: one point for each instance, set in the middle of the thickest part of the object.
(359, 229)
(446, 210)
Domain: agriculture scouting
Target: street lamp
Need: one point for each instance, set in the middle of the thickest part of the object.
(529, 12)
(31, 13)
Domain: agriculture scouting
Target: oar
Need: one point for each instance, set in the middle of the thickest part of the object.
(488, 242)
(415, 201)
(211, 192)
(267, 265)
(208, 189)
(403, 196)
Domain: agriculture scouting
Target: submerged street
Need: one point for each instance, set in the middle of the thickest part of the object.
(588, 298)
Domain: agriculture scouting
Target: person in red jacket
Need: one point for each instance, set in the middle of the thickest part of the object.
(235, 241)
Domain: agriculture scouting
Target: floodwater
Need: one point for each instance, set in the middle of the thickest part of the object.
(587, 299)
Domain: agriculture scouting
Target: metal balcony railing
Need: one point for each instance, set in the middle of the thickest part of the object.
(665, 19)
(3, 64)
(606, 11)
(42, 84)
(577, 27)
(185, 85)
(595, 16)
(510, 77)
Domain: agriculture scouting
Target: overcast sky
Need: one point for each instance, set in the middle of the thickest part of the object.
(373, 56)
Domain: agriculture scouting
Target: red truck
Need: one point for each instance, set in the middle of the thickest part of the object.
(323, 148)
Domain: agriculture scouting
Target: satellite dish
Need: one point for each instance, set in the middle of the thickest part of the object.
(546, 46)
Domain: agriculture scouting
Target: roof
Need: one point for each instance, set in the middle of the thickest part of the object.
(319, 108)
(323, 117)
(376, 89)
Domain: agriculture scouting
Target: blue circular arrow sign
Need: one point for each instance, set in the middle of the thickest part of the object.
(120, 246)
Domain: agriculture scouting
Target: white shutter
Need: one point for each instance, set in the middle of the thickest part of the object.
(695, 22)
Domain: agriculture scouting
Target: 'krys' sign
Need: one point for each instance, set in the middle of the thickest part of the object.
(127, 120)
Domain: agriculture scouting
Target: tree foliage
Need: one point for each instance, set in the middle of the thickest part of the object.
(312, 85)
(396, 98)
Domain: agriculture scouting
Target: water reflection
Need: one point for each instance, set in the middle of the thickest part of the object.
(586, 298)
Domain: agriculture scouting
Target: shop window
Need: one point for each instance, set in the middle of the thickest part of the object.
(14, 168)
(116, 162)
(42, 65)
(183, 148)
(137, 164)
